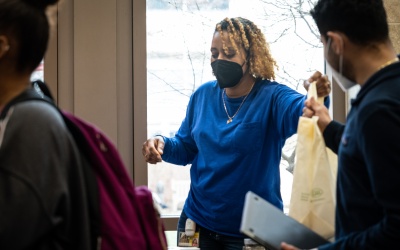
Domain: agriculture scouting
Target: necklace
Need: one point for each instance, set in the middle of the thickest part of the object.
(230, 118)
(388, 63)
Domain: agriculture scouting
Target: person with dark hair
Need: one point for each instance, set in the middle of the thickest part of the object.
(233, 134)
(42, 193)
(358, 49)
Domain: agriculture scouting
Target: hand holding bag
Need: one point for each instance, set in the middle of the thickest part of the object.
(313, 198)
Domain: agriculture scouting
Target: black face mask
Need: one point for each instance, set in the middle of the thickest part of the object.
(228, 73)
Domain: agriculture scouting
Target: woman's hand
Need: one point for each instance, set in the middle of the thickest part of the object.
(153, 149)
(323, 84)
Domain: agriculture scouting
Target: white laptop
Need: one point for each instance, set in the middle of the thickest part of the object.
(269, 226)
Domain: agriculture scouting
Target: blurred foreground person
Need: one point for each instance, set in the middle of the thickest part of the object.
(42, 192)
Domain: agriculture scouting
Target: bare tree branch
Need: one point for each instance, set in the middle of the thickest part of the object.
(171, 85)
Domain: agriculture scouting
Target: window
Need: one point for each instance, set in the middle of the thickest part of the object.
(351, 94)
(179, 35)
(38, 74)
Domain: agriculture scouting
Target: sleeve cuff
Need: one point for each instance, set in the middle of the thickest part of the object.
(331, 129)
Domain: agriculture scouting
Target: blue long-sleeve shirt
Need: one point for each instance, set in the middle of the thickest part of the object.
(368, 185)
(230, 159)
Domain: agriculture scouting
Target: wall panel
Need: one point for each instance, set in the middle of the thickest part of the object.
(94, 71)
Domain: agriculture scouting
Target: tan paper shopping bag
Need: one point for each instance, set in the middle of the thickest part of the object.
(313, 196)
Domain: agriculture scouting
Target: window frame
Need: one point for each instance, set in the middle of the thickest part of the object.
(140, 175)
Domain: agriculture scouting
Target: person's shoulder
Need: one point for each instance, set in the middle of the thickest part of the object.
(206, 89)
(273, 91)
(273, 86)
(379, 94)
(267, 84)
(207, 86)
(379, 101)
(36, 121)
(38, 113)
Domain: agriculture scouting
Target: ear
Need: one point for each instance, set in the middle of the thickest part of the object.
(337, 42)
(4, 45)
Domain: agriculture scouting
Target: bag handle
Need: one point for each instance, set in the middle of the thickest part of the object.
(312, 92)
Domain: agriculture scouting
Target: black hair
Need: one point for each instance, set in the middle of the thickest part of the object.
(362, 21)
(25, 22)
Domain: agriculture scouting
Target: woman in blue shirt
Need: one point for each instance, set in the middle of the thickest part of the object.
(233, 133)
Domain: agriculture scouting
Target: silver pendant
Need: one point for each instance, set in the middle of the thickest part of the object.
(229, 120)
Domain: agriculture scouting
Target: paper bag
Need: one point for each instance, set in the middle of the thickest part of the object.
(313, 196)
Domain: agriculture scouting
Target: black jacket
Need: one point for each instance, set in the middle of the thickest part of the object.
(368, 185)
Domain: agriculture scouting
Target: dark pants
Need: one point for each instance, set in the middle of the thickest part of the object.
(210, 240)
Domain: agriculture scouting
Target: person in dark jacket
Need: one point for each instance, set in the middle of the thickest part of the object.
(359, 51)
(42, 191)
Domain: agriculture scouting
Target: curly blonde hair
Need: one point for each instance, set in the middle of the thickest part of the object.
(244, 33)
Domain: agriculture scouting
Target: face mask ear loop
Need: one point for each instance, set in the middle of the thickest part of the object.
(328, 46)
(329, 43)
(245, 61)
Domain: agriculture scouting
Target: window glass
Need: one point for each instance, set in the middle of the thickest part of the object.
(179, 35)
(38, 73)
(351, 94)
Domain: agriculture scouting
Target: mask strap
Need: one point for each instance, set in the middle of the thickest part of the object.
(246, 60)
(341, 63)
(329, 43)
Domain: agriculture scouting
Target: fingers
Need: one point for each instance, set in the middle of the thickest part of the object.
(160, 148)
(322, 83)
(323, 86)
(285, 246)
(306, 84)
(308, 110)
(152, 150)
(311, 103)
(317, 75)
(313, 108)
